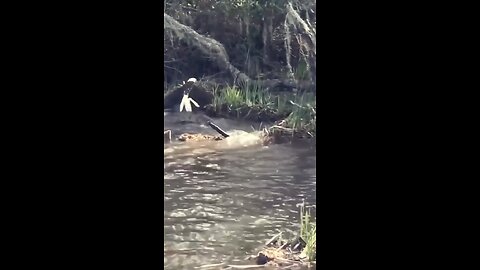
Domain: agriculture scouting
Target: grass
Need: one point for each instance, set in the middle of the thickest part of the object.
(300, 248)
(304, 114)
(250, 101)
(301, 119)
(308, 232)
(247, 95)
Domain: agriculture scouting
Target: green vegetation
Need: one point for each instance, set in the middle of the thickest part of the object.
(308, 232)
(263, 41)
(303, 117)
(249, 102)
(270, 43)
(252, 102)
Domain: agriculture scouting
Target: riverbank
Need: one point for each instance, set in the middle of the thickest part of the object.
(280, 115)
(293, 114)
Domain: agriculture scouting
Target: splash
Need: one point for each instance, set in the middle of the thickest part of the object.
(238, 139)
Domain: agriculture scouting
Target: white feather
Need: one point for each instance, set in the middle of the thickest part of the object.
(185, 101)
(194, 102)
(188, 106)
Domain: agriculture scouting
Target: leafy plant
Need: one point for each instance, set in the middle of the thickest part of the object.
(233, 96)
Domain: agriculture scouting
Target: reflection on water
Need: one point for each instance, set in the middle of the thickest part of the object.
(222, 204)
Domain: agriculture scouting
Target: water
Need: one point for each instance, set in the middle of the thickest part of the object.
(223, 203)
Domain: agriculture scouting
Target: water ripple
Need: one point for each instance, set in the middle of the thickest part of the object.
(222, 205)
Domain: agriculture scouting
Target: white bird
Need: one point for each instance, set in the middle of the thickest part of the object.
(190, 82)
(186, 103)
(186, 99)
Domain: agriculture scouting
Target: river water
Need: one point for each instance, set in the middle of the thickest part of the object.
(222, 203)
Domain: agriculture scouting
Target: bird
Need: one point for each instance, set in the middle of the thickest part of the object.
(186, 100)
(190, 83)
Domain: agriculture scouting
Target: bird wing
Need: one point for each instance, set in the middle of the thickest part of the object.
(194, 102)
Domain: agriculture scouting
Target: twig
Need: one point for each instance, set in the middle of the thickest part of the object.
(282, 246)
(247, 266)
(273, 238)
(287, 260)
(210, 265)
(280, 127)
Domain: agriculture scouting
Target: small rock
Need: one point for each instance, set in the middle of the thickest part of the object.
(261, 259)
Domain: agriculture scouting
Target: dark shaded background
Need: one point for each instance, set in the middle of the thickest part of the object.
(82, 122)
